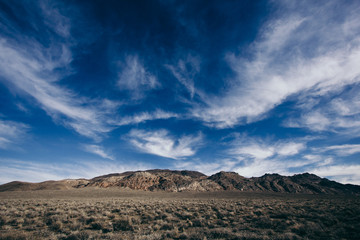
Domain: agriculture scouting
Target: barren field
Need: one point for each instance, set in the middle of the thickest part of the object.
(115, 214)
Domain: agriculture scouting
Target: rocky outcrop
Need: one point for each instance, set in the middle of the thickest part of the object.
(228, 180)
(182, 181)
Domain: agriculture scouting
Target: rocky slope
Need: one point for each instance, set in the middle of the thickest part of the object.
(178, 181)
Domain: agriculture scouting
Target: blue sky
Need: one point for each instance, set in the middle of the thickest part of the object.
(94, 87)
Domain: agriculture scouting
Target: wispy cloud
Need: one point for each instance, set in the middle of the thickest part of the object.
(343, 150)
(185, 72)
(298, 53)
(33, 69)
(342, 173)
(161, 143)
(11, 133)
(258, 167)
(54, 19)
(287, 167)
(135, 77)
(313, 120)
(315, 158)
(98, 150)
(145, 116)
(262, 149)
(257, 156)
(340, 115)
(30, 71)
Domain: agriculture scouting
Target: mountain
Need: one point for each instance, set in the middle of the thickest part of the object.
(299, 183)
(179, 181)
(152, 180)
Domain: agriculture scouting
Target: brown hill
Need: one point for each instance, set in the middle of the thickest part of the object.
(178, 181)
(47, 185)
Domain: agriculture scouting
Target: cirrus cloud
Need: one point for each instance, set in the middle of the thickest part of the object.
(34, 70)
(135, 78)
(11, 132)
(297, 54)
(97, 150)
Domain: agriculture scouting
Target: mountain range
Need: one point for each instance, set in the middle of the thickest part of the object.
(185, 181)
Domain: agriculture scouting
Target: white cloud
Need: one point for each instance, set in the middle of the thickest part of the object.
(258, 156)
(54, 20)
(289, 148)
(348, 106)
(299, 53)
(32, 69)
(98, 150)
(17, 170)
(340, 115)
(342, 173)
(314, 120)
(263, 149)
(260, 151)
(185, 72)
(258, 167)
(343, 150)
(136, 78)
(145, 116)
(31, 72)
(319, 160)
(11, 133)
(162, 144)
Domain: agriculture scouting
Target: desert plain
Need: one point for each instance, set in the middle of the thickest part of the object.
(113, 213)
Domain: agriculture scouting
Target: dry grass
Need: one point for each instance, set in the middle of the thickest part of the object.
(112, 214)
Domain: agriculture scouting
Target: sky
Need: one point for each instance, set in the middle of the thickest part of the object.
(95, 87)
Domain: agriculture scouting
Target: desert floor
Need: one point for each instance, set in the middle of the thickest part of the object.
(125, 214)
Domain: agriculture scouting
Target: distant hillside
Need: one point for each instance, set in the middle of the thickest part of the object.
(178, 181)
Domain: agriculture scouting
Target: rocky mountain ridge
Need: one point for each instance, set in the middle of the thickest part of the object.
(179, 181)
